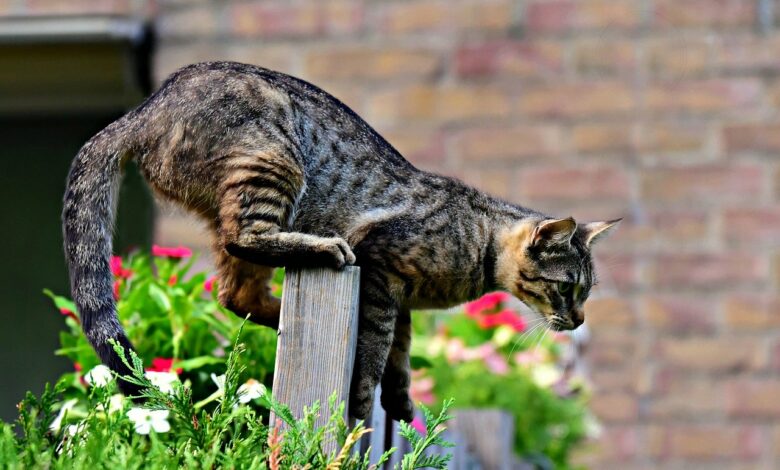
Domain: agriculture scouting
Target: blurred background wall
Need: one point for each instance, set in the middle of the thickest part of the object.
(665, 112)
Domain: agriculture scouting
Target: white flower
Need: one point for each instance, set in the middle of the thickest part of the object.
(162, 380)
(545, 375)
(72, 429)
(147, 420)
(115, 403)
(503, 335)
(99, 376)
(219, 381)
(67, 406)
(250, 390)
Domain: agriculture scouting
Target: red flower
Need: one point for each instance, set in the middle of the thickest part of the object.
(162, 364)
(77, 367)
(69, 313)
(117, 283)
(504, 317)
(117, 269)
(208, 285)
(173, 280)
(171, 252)
(486, 302)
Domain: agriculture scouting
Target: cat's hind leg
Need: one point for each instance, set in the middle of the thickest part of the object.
(243, 289)
(257, 201)
(397, 375)
(376, 324)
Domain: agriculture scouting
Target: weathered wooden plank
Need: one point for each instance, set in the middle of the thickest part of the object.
(489, 435)
(317, 337)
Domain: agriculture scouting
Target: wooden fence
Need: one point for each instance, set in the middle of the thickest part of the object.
(315, 356)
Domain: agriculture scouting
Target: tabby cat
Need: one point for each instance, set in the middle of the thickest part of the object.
(286, 175)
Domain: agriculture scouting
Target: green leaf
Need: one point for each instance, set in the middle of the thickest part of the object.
(419, 362)
(61, 302)
(198, 362)
(160, 297)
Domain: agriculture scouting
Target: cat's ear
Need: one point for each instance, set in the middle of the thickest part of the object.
(553, 232)
(596, 230)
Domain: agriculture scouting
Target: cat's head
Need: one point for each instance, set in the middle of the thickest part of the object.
(547, 264)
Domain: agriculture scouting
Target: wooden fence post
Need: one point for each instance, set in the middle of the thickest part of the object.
(317, 337)
(489, 434)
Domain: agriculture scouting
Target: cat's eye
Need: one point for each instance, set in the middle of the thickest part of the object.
(564, 287)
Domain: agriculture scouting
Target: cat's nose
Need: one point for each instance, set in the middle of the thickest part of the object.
(578, 317)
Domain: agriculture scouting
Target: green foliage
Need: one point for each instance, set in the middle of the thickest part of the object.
(232, 435)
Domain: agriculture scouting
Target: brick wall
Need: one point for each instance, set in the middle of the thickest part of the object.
(663, 111)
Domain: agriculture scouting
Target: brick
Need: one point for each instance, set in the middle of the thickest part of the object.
(76, 7)
(747, 53)
(170, 58)
(560, 16)
(680, 314)
(604, 57)
(616, 444)
(609, 312)
(754, 398)
(753, 226)
(281, 57)
(371, 64)
(616, 271)
(673, 137)
(442, 16)
(703, 13)
(611, 348)
(578, 100)
(194, 21)
(752, 312)
(287, 20)
(674, 57)
(711, 354)
(613, 407)
(707, 184)
(603, 138)
(709, 271)
(678, 226)
(419, 146)
(704, 96)
(448, 103)
(615, 379)
(514, 59)
(756, 137)
(495, 182)
(674, 401)
(506, 144)
(715, 442)
(568, 183)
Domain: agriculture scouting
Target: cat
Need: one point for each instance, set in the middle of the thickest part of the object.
(284, 174)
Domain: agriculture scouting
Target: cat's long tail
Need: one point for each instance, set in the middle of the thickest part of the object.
(87, 224)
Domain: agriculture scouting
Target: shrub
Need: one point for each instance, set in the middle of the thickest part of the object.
(488, 357)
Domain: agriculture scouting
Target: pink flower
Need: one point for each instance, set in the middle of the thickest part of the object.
(418, 425)
(117, 269)
(162, 364)
(421, 389)
(171, 252)
(455, 350)
(527, 358)
(496, 364)
(486, 302)
(173, 280)
(69, 313)
(208, 285)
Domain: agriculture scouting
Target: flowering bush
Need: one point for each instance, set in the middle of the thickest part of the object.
(489, 357)
(204, 396)
(175, 322)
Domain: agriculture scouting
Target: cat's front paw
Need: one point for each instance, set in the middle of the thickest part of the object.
(398, 407)
(339, 251)
(360, 404)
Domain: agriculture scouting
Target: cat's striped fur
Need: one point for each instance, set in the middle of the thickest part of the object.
(286, 175)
